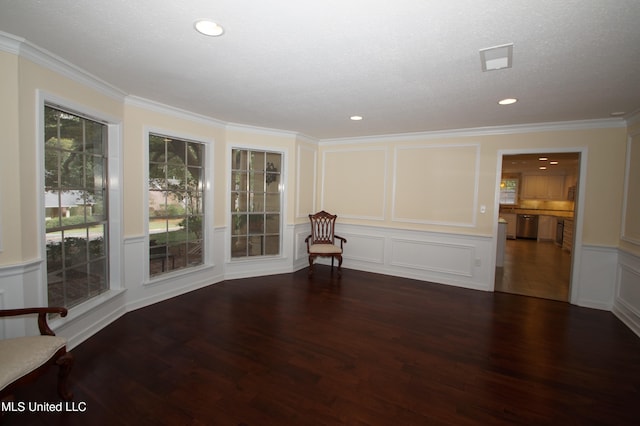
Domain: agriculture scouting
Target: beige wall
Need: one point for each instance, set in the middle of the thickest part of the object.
(631, 231)
(140, 120)
(10, 220)
(425, 166)
(410, 182)
(306, 178)
(34, 79)
(353, 181)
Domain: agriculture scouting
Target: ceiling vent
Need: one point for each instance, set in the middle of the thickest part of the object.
(497, 57)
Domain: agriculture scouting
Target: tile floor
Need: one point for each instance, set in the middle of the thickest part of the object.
(531, 268)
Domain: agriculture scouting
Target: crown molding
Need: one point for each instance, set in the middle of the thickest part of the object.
(161, 108)
(261, 130)
(27, 50)
(307, 139)
(484, 131)
(10, 43)
(633, 118)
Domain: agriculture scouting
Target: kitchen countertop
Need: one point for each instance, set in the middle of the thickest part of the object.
(566, 214)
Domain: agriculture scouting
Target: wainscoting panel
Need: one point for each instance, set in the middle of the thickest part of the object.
(141, 292)
(452, 259)
(433, 256)
(627, 300)
(15, 282)
(364, 248)
(300, 251)
(595, 280)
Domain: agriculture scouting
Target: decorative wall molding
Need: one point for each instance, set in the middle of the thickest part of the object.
(627, 292)
(15, 281)
(377, 215)
(237, 127)
(595, 280)
(606, 123)
(446, 258)
(10, 43)
(151, 105)
(452, 259)
(609, 279)
(633, 118)
(472, 208)
(50, 61)
(629, 184)
(366, 248)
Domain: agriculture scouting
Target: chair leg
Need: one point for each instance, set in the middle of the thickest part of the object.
(65, 362)
(310, 266)
(339, 265)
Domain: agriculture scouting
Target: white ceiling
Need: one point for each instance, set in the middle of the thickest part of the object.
(306, 66)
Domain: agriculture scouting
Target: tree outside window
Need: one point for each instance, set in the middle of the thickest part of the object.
(75, 200)
(509, 191)
(176, 203)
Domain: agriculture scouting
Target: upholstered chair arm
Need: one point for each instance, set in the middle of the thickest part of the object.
(43, 326)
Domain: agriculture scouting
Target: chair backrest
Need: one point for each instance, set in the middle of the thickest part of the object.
(322, 227)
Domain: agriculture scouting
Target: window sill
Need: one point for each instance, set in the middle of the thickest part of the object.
(179, 273)
(85, 307)
(249, 259)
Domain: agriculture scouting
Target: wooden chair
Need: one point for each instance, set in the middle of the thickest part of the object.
(24, 359)
(322, 241)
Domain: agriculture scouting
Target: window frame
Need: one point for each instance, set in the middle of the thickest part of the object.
(113, 189)
(516, 192)
(208, 205)
(281, 200)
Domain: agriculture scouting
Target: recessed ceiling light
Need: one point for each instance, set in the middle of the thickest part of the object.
(553, 162)
(508, 101)
(542, 168)
(543, 158)
(355, 118)
(208, 28)
(617, 114)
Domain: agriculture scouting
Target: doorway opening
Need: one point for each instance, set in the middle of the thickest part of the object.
(537, 213)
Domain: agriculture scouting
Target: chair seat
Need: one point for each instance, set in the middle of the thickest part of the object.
(21, 355)
(324, 249)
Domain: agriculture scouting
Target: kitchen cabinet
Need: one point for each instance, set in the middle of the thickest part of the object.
(510, 218)
(567, 235)
(502, 240)
(543, 187)
(547, 228)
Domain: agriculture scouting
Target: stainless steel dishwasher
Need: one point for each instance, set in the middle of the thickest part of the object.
(527, 226)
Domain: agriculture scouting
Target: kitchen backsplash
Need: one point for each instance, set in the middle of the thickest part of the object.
(546, 205)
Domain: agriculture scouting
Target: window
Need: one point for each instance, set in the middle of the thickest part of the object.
(176, 203)
(255, 203)
(509, 191)
(76, 207)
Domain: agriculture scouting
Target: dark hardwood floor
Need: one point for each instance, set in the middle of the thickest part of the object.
(364, 350)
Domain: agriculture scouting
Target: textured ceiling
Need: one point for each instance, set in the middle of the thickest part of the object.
(306, 66)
